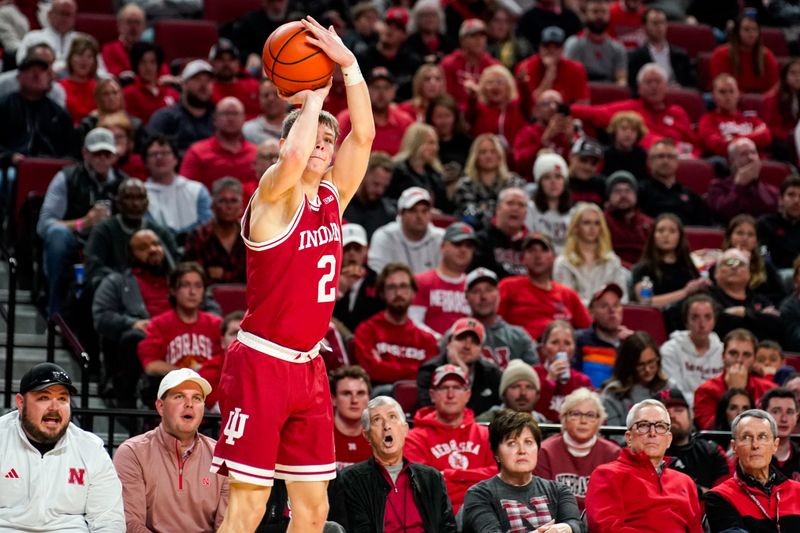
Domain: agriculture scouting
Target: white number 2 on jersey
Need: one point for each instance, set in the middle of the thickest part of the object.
(326, 262)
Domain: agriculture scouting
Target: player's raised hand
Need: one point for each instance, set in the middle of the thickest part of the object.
(299, 98)
(329, 42)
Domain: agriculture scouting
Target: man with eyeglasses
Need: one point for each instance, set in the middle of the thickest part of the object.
(637, 492)
(783, 406)
(758, 498)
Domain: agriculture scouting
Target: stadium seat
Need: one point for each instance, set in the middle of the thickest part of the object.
(645, 318)
(604, 93)
(793, 360)
(101, 27)
(230, 297)
(33, 177)
(405, 392)
(775, 40)
(222, 11)
(704, 71)
(701, 237)
(185, 38)
(691, 100)
(440, 220)
(774, 172)
(751, 102)
(105, 7)
(694, 38)
(695, 174)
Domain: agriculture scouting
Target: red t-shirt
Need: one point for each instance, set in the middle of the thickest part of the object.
(117, 59)
(442, 300)
(350, 450)
(387, 136)
(504, 121)
(154, 291)
(142, 102)
(626, 26)
(170, 339)
(747, 79)
(80, 98)
(571, 80)
(457, 71)
(527, 144)
(206, 161)
(718, 129)
(245, 89)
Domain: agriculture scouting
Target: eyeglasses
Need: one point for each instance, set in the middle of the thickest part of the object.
(397, 287)
(451, 388)
(160, 153)
(652, 363)
(591, 415)
(643, 427)
(747, 440)
(733, 263)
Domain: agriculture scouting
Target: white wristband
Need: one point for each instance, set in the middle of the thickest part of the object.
(352, 74)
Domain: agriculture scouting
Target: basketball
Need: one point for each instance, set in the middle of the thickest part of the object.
(292, 63)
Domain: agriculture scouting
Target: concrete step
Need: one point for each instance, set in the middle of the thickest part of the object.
(28, 320)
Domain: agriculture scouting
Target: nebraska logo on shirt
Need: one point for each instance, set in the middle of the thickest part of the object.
(76, 476)
(188, 349)
(320, 236)
(449, 301)
(577, 485)
(731, 128)
(407, 352)
(457, 449)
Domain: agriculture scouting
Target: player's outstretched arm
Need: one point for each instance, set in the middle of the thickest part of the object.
(353, 156)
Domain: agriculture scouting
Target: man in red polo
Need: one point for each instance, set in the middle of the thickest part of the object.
(230, 80)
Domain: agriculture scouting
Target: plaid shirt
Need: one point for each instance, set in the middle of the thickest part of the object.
(203, 246)
(521, 516)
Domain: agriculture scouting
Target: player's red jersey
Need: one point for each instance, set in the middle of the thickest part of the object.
(292, 279)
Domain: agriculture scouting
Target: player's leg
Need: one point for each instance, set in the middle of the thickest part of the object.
(309, 503)
(246, 506)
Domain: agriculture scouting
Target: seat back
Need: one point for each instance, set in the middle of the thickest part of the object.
(700, 237)
(34, 175)
(230, 297)
(751, 102)
(704, 71)
(605, 93)
(405, 392)
(775, 40)
(689, 99)
(695, 174)
(105, 7)
(774, 172)
(441, 220)
(185, 38)
(222, 11)
(645, 318)
(100, 26)
(694, 38)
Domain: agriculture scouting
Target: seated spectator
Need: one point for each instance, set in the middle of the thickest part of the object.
(154, 498)
(693, 355)
(657, 49)
(755, 442)
(212, 369)
(586, 184)
(108, 101)
(625, 22)
(519, 391)
(58, 29)
(428, 37)
(463, 350)
(781, 111)
(780, 232)
(350, 390)
(391, 122)
(662, 119)
(218, 245)
(41, 47)
(357, 298)
(550, 210)
(783, 407)
(667, 262)
(790, 312)
(131, 24)
(251, 30)
(738, 356)
(128, 159)
(389, 346)
(272, 111)
(602, 56)
(731, 404)
(742, 191)
(746, 57)
(663, 193)
(13, 27)
(364, 498)
(369, 207)
(468, 61)
(147, 94)
(770, 361)
(534, 300)
(627, 130)
(454, 143)
(61, 477)
(230, 80)
(79, 85)
(78, 198)
(637, 376)
(503, 501)
(552, 129)
(719, 127)
(664, 496)
(107, 249)
(365, 17)
(570, 457)
(412, 239)
(175, 202)
(192, 118)
(588, 262)
(503, 44)
(417, 165)
(446, 436)
(558, 379)
(427, 85)
(628, 226)
(493, 105)
(500, 244)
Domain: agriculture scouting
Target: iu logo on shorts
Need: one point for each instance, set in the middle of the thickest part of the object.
(234, 428)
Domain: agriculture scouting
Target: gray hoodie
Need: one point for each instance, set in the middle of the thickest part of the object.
(687, 368)
(389, 245)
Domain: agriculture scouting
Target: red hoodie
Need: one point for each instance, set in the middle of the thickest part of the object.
(711, 390)
(461, 453)
(718, 129)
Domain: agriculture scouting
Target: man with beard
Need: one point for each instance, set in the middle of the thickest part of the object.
(500, 245)
(389, 345)
(628, 226)
(520, 390)
(369, 207)
(229, 80)
(604, 57)
(56, 476)
(357, 298)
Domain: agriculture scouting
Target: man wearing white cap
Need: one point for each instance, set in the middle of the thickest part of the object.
(412, 239)
(191, 119)
(166, 484)
(357, 299)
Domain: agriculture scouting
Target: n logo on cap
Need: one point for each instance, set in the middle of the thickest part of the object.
(234, 428)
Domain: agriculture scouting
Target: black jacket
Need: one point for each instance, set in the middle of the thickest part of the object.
(367, 303)
(485, 384)
(35, 129)
(360, 492)
(682, 67)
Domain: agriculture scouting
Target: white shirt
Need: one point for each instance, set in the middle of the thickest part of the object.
(179, 206)
(661, 58)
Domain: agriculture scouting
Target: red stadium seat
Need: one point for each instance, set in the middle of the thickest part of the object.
(701, 237)
(645, 318)
(33, 177)
(185, 38)
(695, 174)
(691, 100)
(101, 27)
(775, 40)
(793, 360)
(751, 102)
(704, 71)
(441, 220)
(774, 172)
(694, 38)
(605, 93)
(405, 392)
(105, 7)
(230, 297)
(222, 11)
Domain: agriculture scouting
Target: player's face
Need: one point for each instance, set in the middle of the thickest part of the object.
(483, 298)
(45, 414)
(387, 433)
(521, 396)
(351, 398)
(450, 397)
(182, 409)
(324, 147)
(189, 293)
(354, 254)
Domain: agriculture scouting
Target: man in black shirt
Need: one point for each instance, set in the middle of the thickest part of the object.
(780, 232)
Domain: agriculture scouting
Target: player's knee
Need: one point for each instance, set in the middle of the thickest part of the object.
(313, 514)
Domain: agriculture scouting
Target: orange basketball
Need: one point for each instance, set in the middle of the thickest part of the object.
(292, 63)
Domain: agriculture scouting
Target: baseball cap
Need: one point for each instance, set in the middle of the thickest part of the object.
(471, 27)
(468, 324)
(45, 375)
(550, 163)
(354, 233)
(412, 196)
(445, 371)
(539, 237)
(99, 140)
(193, 68)
(609, 287)
(587, 146)
(33, 57)
(459, 232)
(553, 34)
(480, 274)
(397, 16)
(223, 46)
(620, 176)
(672, 398)
(380, 73)
(181, 375)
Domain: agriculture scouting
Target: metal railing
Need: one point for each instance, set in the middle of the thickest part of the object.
(79, 355)
(9, 314)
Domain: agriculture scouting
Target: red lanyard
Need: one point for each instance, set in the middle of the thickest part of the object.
(761, 507)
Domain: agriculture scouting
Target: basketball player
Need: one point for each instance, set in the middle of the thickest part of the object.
(277, 418)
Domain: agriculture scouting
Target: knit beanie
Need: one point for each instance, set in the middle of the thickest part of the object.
(550, 162)
(516, 370)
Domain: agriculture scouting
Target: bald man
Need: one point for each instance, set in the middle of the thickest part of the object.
(226, 153)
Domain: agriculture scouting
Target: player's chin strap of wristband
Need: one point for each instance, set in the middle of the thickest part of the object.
(352, 74)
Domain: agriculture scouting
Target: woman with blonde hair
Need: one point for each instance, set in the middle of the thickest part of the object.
(428, 83)
(79, 85)
(417, 165)
(109, 100)
(588, 262)
(486, 173)
(494, 105)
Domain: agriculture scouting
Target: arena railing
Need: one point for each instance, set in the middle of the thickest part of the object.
(76, 351)
(8, 311)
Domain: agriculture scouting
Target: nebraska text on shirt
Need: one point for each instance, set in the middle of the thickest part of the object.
(449, 301)
(731, 128)
(440, 450)
(320, 236)
(189, 345)
(406, 352)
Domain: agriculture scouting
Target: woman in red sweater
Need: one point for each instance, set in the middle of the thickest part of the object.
(494, 107)
(80, 83)
(746, 58)
(782, 110)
